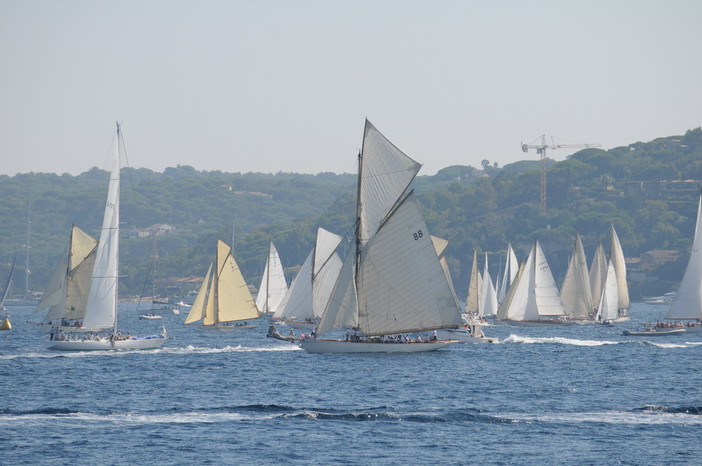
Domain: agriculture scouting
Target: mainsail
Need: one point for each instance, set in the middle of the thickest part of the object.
(688, 300)
(488, 296)
(67, 293)
(224, 295)
(575, 291)
(617, 257)
(273, 285)
(511, 269)
(311, 287)
(101, 307)
(474, 287)
(607, 309)
(534, 293)
(598, 272)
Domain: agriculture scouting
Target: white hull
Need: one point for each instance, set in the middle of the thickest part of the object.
(297, 324)
(342, 346)
(149, 317)
(134, 343)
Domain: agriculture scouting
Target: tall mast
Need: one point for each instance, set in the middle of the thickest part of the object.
(27, 246)
(119, 137)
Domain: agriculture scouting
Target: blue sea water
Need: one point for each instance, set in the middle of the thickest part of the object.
(579, 394)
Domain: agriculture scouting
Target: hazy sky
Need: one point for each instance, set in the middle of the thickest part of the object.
(285, 85)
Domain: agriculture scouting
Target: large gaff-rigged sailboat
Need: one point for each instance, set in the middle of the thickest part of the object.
(688, 300)
(273, 284)
(391, 282)
(101, 305)
(224, 296)
(65, 298)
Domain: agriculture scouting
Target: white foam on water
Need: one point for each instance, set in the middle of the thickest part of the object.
(556, 340)
(608, 417)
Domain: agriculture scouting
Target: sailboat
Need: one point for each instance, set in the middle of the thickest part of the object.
(510, 272)
(616, 255)
(101, 306)
(273, 284)
(224, 296)
(533, 297)
(607, 308)
(65, 298)
(488, 295)
(391, 282)
(576, 293)
(687, 304)
(471, 331)
(304, 303)
(598, 272)
(6, 324)
(475, 286)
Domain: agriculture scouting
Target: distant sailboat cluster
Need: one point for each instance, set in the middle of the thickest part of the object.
(528, 294)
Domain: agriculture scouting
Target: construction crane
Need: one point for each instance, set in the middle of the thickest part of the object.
(541, 150)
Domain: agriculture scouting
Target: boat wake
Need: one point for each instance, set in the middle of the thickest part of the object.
(647, 415)
(245, 413)
(556, 340)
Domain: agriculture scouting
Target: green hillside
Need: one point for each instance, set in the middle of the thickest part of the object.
(649, 191)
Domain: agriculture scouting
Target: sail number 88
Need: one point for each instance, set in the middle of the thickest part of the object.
(418, 234)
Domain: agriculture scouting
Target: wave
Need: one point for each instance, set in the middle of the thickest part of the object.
(642, 416)
(189, 349)
(557, 340)
(258, 412)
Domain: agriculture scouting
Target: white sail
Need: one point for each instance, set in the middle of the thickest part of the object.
(519, 304)
(402, 287)
(688, 300)
(101, 307)
(607, 309)
(617, 257)
(392, 281)
(474, 287)
(545, 290)
(511, 269)
(534, 293)
(342, 307)
(488, 296)
(575, 291)
(67, 293)
(385, 174)
(297, 302)
(273, 284)
(440, 246)
(598, 272)
(311, 287)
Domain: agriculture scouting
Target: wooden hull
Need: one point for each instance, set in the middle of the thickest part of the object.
(134, 343)
(342, 346)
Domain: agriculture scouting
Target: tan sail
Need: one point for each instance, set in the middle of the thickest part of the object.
(224, 295)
